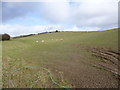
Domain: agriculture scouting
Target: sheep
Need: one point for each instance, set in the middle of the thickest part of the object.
(61, 39)
(42, 41)
(37, 41)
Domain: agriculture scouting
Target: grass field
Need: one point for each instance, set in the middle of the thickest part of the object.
(61, 60)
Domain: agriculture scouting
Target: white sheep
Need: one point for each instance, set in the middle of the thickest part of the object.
(36, 41)
(61, 39)
(42, 41)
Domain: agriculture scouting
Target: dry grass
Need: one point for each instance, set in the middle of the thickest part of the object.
(17, 75)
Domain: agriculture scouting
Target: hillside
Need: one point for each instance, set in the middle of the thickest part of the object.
(62, 60)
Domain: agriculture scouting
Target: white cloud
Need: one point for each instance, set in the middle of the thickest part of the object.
(16, 30)
(89, 13)
(36, 0)
(55, 11)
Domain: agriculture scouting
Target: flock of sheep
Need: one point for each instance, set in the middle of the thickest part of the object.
(51, 39)
(7, 37)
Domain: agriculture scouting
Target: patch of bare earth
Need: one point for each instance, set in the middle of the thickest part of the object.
(83, 73)
(109, 60)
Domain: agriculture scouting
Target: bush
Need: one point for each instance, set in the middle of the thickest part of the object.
(4, 37)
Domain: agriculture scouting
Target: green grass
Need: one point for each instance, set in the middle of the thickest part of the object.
(22, 52)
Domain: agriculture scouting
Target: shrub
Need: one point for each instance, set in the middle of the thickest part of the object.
(4, 37)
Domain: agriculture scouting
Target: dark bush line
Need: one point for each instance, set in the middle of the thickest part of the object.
(23, 36)
(4, 37)
(34, 34)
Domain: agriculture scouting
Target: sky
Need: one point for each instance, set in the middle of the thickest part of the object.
(20, 18)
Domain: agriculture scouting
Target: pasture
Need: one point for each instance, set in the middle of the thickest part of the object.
(61, 60)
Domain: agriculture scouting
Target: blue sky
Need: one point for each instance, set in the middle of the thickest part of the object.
(30, 19)
(20, 18)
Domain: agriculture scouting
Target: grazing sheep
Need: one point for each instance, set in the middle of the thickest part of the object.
(4, 37)
(37, 41)
(61, 39)
(42, 41)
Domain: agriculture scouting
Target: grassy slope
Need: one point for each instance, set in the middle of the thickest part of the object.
(64, 58)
